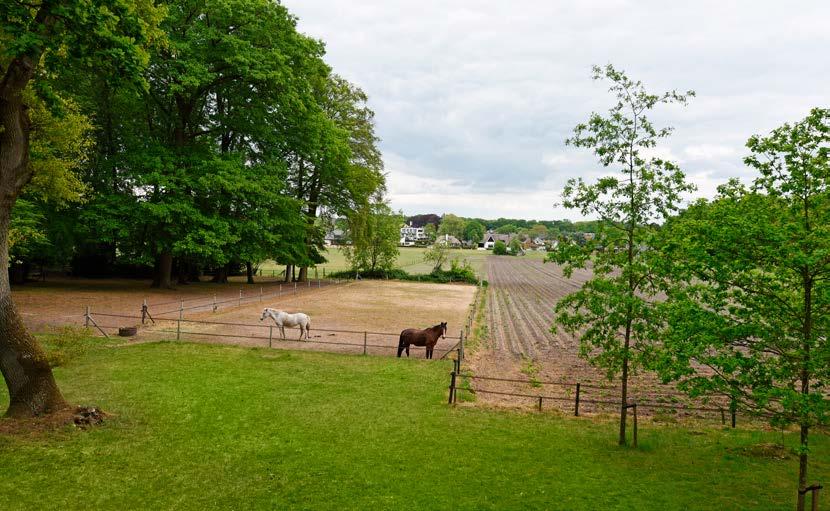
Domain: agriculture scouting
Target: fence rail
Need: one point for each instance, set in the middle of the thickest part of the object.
(578, 397)
(90, 320)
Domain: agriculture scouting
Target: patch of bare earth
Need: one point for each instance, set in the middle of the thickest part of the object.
(342, 315)
(79, 417)
(521, 300)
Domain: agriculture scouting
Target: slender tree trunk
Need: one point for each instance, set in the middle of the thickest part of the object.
(249, 269)
(164, 271)
(303, 274)
(624, 394)
(805, 386)
(221, 276)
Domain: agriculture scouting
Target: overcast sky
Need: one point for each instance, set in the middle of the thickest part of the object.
(474, 99)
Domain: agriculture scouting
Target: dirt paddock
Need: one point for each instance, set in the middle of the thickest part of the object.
(341, 314)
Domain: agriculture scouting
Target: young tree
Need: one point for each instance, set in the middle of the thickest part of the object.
(374, 232)
(437, 254)
(431, 232)
(515, 246)
(612, 312)
(39, 42)
(749, 316)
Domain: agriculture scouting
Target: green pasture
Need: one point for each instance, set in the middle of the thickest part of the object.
(219, 427)
(411, 259)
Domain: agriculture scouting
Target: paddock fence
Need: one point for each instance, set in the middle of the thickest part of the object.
(265, 334)
(580, 397)
(206, 303)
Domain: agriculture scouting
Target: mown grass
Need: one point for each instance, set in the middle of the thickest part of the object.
(219, 427)
(410, 259)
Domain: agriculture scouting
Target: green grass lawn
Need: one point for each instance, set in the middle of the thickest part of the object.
(219, 427)
(410, 259)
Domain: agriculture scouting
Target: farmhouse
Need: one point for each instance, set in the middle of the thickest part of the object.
(491, 238)
(335, 237)
(449, 240)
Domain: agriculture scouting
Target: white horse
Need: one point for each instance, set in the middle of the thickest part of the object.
(283, 319)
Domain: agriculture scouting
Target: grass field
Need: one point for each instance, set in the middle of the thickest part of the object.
(411, 259)
(219, 427)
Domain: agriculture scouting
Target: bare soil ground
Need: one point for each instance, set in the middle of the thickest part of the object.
(521, 298)
(340, 313)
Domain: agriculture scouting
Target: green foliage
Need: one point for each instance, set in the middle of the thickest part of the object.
(473, 231)
(437, 255)
(750, 296)
(613, 312)
(500, 248)
(515, 246)
(507, 229)
(452, 225)
(374, 231)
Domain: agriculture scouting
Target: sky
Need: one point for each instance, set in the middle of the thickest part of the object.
(474, 99)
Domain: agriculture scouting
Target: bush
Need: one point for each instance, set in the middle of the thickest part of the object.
(458, 272)
(500, 248)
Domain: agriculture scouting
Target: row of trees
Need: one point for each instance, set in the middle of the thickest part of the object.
(231, 146)
(729, 297)
(166, 135)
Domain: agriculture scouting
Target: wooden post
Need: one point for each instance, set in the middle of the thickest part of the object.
(86, 317)
(214, 302)
(540, 403)
(461, 349)
(635, 425)
(260, 293)
(143, 311)
(270, 334)
(240, 297)
(452, 388)
(365, 352)
(179, 322)
(722, 417)
(733, 410)
(576, 401)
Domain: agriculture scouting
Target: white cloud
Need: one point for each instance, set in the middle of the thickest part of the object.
(475, 98)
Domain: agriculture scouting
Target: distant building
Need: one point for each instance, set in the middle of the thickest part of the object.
(450, 241)
(335, 237)
(410, 235)
(491, 238)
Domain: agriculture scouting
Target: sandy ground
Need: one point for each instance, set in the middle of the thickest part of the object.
(342, 314)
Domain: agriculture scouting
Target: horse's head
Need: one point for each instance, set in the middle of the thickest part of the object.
(443, 330)
(264, 314)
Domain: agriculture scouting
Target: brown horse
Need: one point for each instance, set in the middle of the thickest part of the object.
(428, 338)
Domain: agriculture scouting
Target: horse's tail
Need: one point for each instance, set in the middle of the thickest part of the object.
(307, 326)
(401, 345)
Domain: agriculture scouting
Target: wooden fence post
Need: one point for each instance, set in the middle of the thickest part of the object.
(540, 403)
(240, 297)
(179, 322)
(635, 425)
(86, 317)
(452, 388)
(270, 334)
(143, 311)
(260, 293)
(576, 401)
(461, 352)
(365, 352)
(733, 410)
(214, 302)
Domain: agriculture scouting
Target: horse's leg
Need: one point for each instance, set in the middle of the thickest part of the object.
(407, 351)
(301, 333)
(282, 331)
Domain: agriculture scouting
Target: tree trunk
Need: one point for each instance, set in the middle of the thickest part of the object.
(624, 396)
(249, 269)
(164, 271)
(303, 274)
(802, 469)
(221, 276)
(287, 273)
(25, 368)
(182, 272)
(23, 363)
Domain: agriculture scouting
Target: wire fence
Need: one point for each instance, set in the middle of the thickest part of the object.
(150, 311)
(261, 334)
(579, 394)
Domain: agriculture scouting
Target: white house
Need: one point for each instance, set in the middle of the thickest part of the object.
(491, 238)
(410, 235)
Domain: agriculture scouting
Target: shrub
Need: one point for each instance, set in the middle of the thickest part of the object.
(500, 248)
